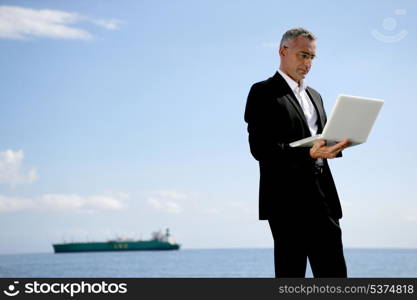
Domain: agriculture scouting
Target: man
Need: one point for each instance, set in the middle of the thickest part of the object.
(297, 194)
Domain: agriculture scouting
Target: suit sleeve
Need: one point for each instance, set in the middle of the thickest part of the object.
(266, 138)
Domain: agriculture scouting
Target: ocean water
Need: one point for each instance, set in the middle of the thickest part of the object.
(218, 263)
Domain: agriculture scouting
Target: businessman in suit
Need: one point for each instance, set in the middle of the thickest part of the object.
(297, 194)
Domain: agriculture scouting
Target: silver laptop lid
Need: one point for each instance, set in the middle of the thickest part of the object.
(352, 118)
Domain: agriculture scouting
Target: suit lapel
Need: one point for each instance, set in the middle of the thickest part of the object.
(290, 97)
(294, 102)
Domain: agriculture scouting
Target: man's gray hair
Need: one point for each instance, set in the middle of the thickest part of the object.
(296, 32)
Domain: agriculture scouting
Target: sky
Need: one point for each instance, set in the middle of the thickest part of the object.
(119, 118)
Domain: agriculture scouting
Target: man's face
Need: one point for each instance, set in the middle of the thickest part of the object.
(297, 56)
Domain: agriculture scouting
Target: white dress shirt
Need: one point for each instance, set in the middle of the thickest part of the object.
(305, 102)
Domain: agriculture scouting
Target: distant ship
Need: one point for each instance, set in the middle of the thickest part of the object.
(159, 241)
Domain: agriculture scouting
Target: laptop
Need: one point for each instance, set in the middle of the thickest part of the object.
(352, 118)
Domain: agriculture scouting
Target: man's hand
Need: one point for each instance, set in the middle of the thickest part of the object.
(320, 150)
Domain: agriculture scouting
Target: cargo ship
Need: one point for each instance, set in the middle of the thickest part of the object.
(159, 241)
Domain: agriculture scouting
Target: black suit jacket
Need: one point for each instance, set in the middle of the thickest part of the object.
(288, 186)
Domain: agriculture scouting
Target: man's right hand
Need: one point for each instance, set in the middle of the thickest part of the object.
(320, 150)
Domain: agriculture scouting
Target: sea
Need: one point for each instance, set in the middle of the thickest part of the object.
(195, 263)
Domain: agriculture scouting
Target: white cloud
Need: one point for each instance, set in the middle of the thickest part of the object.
(11, 170)
(23, 23)
(171, 194)
(62, 203)
(167, 201)
(112, 24)
(15, 204)
(410, 218)
(164, 205)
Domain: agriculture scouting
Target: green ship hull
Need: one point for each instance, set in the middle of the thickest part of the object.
(115, 246)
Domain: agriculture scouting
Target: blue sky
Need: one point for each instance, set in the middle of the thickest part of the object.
(123, 117)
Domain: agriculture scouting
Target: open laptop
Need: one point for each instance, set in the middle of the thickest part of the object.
(352, 118)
